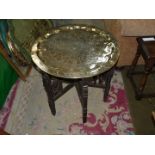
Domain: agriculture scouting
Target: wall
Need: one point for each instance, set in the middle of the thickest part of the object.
(125, 31)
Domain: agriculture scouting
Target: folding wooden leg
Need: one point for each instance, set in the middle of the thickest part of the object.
(82, 89)
(107, 82)
(47, 83)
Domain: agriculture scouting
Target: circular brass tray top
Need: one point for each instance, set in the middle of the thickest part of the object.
(75, 51)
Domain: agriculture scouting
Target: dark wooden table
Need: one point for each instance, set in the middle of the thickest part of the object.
(79, 55)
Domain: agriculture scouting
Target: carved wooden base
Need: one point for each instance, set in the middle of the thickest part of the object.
(54, 88)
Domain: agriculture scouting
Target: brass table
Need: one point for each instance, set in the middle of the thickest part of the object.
(79, 55)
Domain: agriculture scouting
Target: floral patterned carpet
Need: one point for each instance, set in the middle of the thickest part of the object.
(26, 111)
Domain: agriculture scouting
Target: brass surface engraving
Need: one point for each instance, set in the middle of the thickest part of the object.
(75, 51)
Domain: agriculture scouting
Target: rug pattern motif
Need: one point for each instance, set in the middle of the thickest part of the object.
(30, 113)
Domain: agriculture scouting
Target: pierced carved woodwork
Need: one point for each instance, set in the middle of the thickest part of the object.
(54, 88)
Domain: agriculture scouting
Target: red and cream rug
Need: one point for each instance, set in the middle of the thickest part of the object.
(26, 111)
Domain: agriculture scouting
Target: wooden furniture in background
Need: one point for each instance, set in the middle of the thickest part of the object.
(23, 72)
(17, 36)
(145, 49)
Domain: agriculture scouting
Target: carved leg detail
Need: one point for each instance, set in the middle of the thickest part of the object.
(85, 98)
(47, 83)
(107, 82)
(82, 90)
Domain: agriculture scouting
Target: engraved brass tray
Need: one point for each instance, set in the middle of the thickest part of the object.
(75, 51)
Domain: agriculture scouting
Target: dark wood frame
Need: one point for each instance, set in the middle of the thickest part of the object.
(148, 69)
(54, 89)
(20, 72)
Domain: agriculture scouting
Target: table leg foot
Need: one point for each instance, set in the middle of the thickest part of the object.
(47, 83)
(82, 90)
(107, 83)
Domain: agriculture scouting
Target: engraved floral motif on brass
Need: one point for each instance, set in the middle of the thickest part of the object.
(75, 51)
